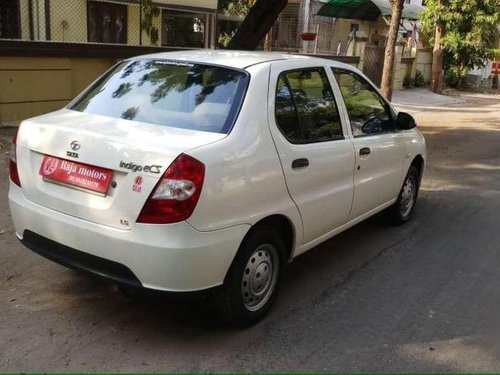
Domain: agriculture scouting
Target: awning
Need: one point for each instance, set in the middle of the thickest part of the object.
(367, 10)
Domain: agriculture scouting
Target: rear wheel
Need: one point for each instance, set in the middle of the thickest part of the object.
(252, 282)
(402, 210)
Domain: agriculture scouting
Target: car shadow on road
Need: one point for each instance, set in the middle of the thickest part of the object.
(325, 266)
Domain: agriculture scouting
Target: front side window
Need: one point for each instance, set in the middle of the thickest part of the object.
(107, 22)
(368, 111)
(168, 93)
(305, 108)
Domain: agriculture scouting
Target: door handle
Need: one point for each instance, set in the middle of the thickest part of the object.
(365, 151)
(300, 163)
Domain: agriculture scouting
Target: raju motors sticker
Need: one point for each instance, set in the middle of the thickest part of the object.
(137, 187)
(82, 176)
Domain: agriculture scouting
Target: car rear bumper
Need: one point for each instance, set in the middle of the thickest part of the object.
(173, 257)
(76, 259)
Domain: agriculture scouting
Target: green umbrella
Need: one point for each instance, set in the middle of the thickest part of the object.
(368, 10)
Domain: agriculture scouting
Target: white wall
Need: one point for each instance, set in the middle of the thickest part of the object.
(482, 72)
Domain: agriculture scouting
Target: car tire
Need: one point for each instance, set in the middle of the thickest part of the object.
(402, 210)
(252, 282)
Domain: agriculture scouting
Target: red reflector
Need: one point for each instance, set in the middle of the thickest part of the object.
(176, 194)
(13, 172)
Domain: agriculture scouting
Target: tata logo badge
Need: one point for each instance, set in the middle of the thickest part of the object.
(75, 146)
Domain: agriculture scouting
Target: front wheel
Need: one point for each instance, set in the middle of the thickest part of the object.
(402, 210)
(252, 281)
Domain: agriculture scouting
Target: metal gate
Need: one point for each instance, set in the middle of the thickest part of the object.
(374, 63)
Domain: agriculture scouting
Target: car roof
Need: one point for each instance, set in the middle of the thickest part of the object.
(234, 59)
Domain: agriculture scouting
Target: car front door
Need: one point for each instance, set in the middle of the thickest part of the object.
(316, 156)
(379, 148)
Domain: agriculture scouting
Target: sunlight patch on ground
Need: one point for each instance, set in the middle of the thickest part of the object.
(467, 354)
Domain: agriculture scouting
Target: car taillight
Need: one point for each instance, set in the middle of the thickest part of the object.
(176, 194)
(13, 172)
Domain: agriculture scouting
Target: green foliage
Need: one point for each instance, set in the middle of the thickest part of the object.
(456, 77)
(419, 80)
(470, 27)
(149, 13)
(224, 39)
(239, 8)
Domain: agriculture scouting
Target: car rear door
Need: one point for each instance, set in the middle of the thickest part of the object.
(380, 150)
(316, 156)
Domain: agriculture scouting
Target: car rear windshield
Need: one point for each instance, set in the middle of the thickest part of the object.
(168, 93)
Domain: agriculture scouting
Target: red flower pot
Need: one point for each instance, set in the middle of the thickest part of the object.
(308, 36)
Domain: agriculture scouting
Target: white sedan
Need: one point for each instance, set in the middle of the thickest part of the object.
(211, 170)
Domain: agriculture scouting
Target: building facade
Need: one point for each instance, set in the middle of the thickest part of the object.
(177, 23)
(50, 50)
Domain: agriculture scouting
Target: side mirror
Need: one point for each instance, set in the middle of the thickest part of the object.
(405, 121)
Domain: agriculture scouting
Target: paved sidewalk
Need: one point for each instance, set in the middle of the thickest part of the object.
(423, 98)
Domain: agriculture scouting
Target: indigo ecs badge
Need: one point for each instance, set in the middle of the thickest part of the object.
(156, 169)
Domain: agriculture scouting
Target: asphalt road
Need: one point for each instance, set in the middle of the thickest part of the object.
(421, 297)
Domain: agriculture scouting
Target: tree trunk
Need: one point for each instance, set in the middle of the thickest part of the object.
(437, 62)
(268, 41)
(390, 49)
(260, 19)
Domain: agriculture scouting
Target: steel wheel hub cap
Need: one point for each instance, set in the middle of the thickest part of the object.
(259, 277)
(408, 196)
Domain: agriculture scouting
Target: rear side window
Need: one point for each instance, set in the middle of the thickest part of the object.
(183, 95)
(305, 108)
